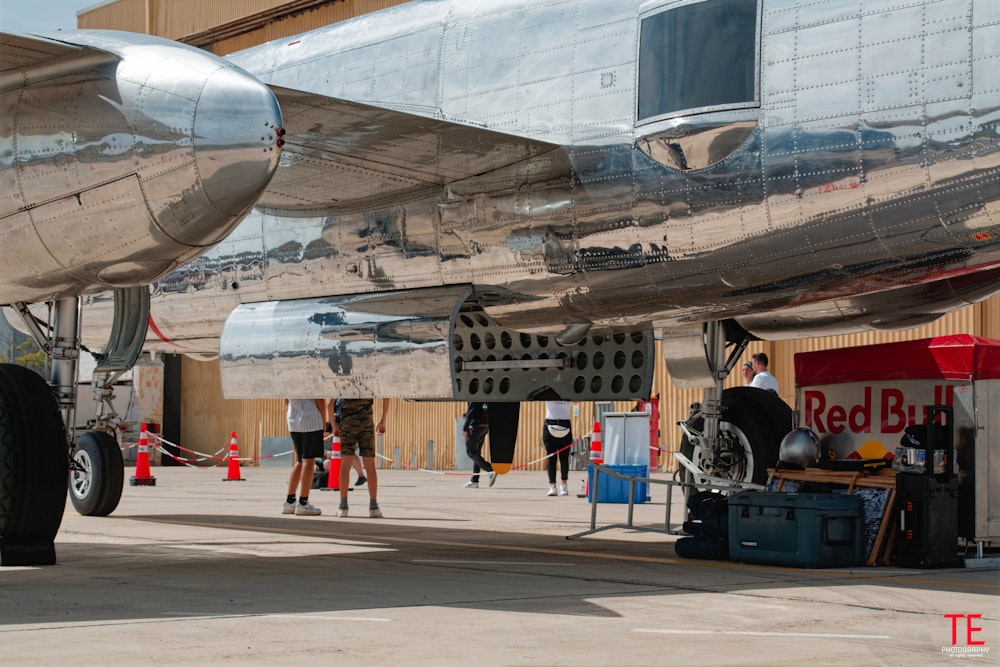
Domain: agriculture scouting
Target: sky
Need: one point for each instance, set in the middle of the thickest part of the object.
(34, 16)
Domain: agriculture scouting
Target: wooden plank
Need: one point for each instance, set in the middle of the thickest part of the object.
(887, 519)
(846, 478)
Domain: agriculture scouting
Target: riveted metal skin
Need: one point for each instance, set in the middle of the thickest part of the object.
(853, 183)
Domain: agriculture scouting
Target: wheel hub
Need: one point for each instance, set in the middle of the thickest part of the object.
(81, 476)
(730, 457)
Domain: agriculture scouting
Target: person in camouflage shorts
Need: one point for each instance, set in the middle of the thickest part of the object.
(355, 430)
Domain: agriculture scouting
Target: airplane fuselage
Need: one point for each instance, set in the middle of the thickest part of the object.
(845, 174)
(867, 164)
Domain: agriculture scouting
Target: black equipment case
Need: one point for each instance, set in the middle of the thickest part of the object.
(928, 522)
(927, 532)
(797, 529)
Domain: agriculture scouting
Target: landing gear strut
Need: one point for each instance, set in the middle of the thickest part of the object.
(747, 438)
(734, 433)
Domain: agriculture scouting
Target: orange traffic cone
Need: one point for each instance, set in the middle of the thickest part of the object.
(596, 446)
(234, 461)
(333, 480)
(596, 455)
(142, 474)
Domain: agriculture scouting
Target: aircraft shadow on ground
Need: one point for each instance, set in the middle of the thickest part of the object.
(355, 565)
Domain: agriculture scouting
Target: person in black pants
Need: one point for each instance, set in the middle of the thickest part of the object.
(557, 436)
(475, 428)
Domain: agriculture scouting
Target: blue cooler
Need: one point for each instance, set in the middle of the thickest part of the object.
(613, 490)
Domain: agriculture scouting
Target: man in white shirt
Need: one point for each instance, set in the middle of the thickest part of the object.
(762, 378)
(305, 424)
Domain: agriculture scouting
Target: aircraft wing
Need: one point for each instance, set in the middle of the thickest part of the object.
(37, 58)
(341, 156)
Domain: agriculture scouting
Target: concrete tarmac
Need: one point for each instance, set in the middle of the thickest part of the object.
(196, 570)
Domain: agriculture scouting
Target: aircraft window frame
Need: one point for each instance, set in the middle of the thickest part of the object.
(688, 111)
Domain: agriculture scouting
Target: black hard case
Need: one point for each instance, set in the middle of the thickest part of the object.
(927, 533)
(927, 530)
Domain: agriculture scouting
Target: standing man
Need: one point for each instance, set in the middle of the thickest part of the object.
(305, 423)
(762, 378)
(475, 429)
(355, 429)
(334, 408)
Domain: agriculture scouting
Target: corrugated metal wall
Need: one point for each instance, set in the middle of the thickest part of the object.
(129, 15)
(173, 19)
(176, 19)
(301, 22)
(990, 316)
(199, 16)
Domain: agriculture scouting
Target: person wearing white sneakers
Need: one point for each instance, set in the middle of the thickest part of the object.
(355, 430)
(305, 424)
(557, 436)
(475, 428)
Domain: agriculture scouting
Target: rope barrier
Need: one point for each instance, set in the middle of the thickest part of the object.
(220, 456)
(548, 456)
(416, 468)
(465, 473)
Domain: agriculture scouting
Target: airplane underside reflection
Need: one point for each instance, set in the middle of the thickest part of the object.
(370, 345)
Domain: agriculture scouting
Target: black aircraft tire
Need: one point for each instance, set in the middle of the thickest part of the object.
(764, 420)
(96, 489)
(33, 461)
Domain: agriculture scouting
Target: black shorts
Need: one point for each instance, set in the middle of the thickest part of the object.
(308, 445)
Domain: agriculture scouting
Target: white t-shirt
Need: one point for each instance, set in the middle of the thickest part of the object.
(304, 416)
(765, 380)
(558, 409)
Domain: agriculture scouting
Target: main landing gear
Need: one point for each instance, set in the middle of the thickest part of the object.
(734, 433)
(35, 458)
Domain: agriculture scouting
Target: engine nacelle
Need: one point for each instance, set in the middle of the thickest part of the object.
(115, 173)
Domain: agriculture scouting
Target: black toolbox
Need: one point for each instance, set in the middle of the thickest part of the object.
(797, 529)
(927, 530)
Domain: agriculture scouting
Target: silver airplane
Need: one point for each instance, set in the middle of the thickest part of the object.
(121, 158)
(511, 200)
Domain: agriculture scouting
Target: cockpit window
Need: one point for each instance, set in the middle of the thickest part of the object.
(696, 56)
